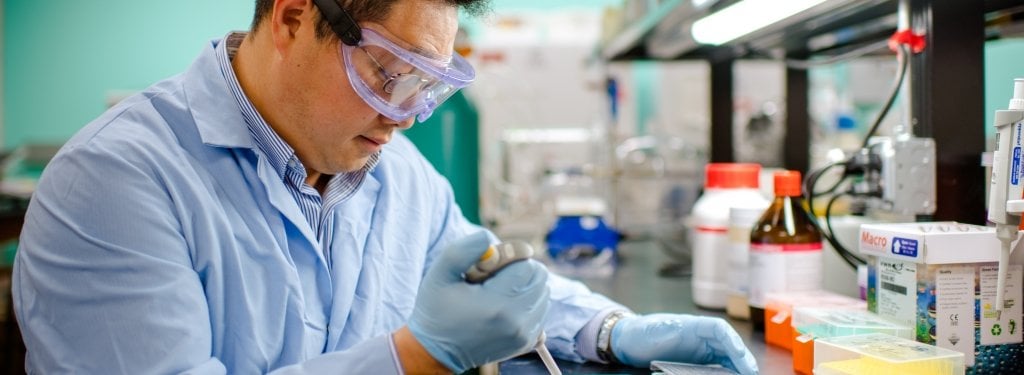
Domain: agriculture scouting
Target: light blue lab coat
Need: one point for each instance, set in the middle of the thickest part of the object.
(160, 240)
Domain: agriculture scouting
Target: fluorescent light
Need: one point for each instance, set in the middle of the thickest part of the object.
(744, 18)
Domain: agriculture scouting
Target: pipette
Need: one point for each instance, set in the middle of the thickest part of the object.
(497, 257)
(1005, 203)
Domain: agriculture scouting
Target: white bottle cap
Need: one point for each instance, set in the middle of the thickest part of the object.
(1017, 103)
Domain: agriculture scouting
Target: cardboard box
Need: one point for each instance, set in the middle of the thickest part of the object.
(940, 278)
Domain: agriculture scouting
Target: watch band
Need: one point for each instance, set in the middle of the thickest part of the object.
(604, 336)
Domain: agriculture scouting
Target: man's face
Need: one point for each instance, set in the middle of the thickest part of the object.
(331, 128)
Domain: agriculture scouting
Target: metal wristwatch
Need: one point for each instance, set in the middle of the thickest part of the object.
(604, 336)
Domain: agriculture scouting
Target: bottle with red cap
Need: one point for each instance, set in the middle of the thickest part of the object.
(726, 185)
(785, 247)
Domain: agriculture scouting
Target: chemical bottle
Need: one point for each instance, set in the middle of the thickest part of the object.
(741, 222)
(785, 248)
(725, 185)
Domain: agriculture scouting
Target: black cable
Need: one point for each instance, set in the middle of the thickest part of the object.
(811, 181)
(902, 56)
(828, 223)
(810, 184)
(831, 240)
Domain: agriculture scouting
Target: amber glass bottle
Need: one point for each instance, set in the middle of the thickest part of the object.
(785, 247)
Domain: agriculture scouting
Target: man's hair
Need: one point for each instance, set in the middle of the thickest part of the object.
(363, 11)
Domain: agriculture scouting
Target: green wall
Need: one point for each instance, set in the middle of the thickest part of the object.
(63, 57)
(1002, 64)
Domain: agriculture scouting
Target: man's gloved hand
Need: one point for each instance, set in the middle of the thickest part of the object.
(465, 325)
(638, 340)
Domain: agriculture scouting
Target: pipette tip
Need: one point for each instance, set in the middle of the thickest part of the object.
(545, 356)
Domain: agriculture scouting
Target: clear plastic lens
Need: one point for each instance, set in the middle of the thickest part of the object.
(399, 83)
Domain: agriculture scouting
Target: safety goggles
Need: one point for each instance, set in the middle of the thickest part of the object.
(397, 82)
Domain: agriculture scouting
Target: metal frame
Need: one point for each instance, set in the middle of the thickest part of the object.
(948, 102)
(721, 130)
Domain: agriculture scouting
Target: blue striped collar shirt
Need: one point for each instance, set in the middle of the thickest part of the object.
(317, 210)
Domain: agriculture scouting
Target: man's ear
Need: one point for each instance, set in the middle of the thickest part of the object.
(288, 19)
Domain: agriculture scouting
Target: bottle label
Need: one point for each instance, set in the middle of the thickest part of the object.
(776, 268)
(739, 253)
(710, 268)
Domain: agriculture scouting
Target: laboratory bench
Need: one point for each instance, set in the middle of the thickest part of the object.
(637, 284)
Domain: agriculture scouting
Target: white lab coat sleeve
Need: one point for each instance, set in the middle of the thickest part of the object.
(104, 281)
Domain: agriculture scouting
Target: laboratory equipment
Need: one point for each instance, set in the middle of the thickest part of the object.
(497, 257)
(657, 181)
(879, 353)
(581, 243)
(726, 185)
(1006, 201)
(741, 223)
(785, 248)
(940, 278)
(812, 323)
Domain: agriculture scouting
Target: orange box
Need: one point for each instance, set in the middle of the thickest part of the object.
(778, 311)
(803, 355)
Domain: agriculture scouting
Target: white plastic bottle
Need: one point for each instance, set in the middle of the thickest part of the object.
(726, 185)
(741, 223)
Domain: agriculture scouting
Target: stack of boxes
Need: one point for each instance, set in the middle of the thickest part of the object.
(930, 309)
(940, 279)
(813, 324)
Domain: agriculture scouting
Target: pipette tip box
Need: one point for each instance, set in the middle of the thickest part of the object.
(816, 323)
(879, 353)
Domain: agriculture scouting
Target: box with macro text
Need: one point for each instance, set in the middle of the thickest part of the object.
(940, 279)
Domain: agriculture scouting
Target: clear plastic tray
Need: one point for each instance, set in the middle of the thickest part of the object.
(879, 353)
(818, 322)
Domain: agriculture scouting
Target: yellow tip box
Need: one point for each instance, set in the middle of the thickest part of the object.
(879, 353)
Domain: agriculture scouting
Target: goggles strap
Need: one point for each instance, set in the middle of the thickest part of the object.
(341, 22)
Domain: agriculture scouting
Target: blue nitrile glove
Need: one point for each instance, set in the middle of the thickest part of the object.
(466, 325)
(638, 340)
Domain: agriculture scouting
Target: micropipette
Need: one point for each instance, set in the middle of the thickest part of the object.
(494, 259)
(1006, 199)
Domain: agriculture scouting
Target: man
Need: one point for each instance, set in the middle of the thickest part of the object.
(260, 214)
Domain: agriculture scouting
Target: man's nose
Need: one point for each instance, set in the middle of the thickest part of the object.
(402, 125)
